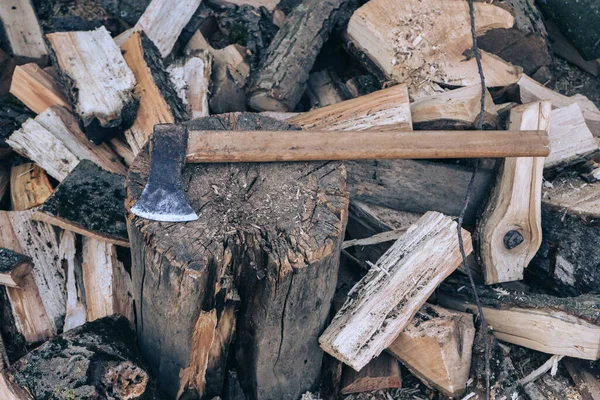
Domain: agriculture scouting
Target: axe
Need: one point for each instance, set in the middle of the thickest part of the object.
(163, 198)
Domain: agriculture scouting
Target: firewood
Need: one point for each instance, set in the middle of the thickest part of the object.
(191, 78)
(525, 44)
(281, 347)
(382, 372)
(37, 89)
(158, 102)
(107, 285)
(385, 300)
(76, 313)
(568, 257)
(321, 90)
(436, 347)
(510, 229)
(38, 241)
(386, 109)
(569, 135)
(417, 186)
(61, 367)
(99, 84)
(163, 23)
(586, 376)
(423, 42)
(280, 80)
(455, 109)
(230, 70)
(7, 68)
(553, 325)
(54, 141)
(14, 267)
(268, 4)
(123, 150)
(21, 32)
(29, 313)
(29, 186)
(564, 49)
(90, 202)
(531, 91)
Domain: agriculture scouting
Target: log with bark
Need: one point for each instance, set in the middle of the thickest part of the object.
(99, 84)
(280, 79)
(89, 201)
(21, 34)
(97, 360)
(54, 141)
(276, 229)
(424, 43)
(436, 347)
(191, 78)
(565, 326)
(159, 103)
(385, 300)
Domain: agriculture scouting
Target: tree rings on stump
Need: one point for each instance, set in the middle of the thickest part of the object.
(273, 229)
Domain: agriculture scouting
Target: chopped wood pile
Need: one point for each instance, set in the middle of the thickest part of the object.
(299, 199)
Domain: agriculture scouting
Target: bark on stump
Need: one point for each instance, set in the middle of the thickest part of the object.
(276, 229)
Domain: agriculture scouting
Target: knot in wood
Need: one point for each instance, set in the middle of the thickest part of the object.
(512, 239)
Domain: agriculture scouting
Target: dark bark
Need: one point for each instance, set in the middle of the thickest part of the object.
(276, 228)
(96, 360)
(418, 186)
(280, 80)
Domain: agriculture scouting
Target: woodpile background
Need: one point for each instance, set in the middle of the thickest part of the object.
(300, 280)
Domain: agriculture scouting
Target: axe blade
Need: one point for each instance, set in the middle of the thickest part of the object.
(163, 198)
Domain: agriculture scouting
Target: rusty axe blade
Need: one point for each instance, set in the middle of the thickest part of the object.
(163, 198)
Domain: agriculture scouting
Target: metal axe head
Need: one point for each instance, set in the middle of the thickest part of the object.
(163, 198)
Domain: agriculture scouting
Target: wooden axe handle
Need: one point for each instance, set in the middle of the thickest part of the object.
(263, 146)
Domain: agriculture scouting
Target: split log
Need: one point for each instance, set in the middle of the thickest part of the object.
(280, 79)
(510, 229)
(454, 109)
(163, 23)
(423, 42)
(418, 186)
(37, 89)
(525, 44)
(386, 109)
(123, 150)
(386, 299)
(14, 267)
(586, 376)
(20, 32)
(230, 70)
(158, 101)
(38, 241)
(62, 368)
(321, 90)
(554, 325)
(30, 316)
(531, 91)
(108, 288)
(191, 78)
(570, 138)
(90, 202)
(76, 313)
(436, 347)
(381, 373)
(568, 258)
(99, 84)
(261, 224)
(29, 186)
(54, 141)
(578, 20)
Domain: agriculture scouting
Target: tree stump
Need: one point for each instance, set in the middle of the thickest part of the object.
(275, 230)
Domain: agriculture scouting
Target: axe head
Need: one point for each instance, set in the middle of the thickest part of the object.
(163, 198)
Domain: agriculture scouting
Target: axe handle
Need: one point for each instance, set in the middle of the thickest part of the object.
(264, 146)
